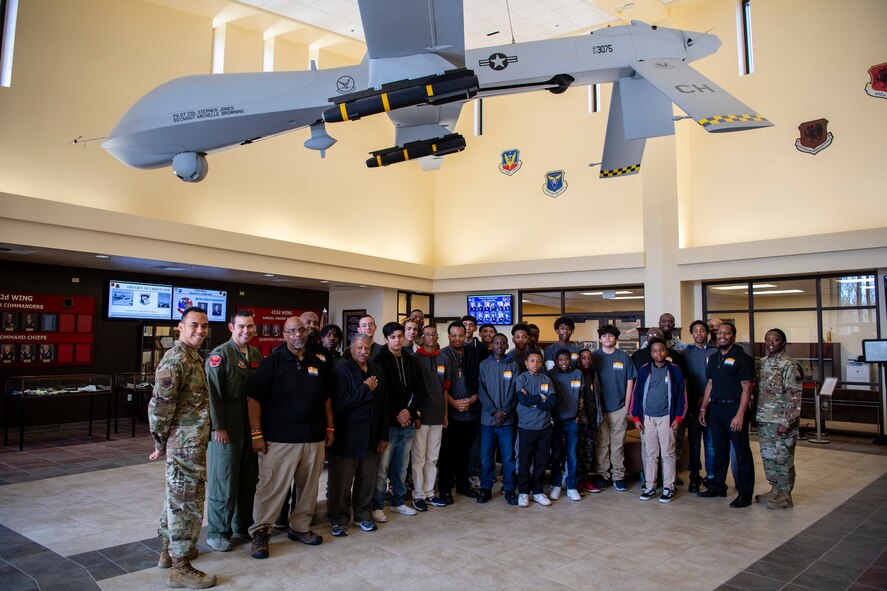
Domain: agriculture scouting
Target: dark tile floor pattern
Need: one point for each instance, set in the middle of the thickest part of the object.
(845, 550)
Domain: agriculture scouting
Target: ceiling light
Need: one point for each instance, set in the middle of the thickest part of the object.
(755, 286)
(597, 293)
(269, 274)
(628, 298)
(778, 291)
(324, 281)
(102, 256)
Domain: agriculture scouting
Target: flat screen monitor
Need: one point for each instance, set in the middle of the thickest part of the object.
(139, 301)
(874, 350)
(493, 309)
(212, 301)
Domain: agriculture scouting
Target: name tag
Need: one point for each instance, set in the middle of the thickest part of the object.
(544, 388)
(506, 374)
(440, 370)
(574, 356)
(729, 361)
(321, 357)
(575, 383)
(312, 371)
(618, 365)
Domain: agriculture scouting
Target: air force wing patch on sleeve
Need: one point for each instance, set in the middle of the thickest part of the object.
(164, 378)
(555, 183)
(215, 360)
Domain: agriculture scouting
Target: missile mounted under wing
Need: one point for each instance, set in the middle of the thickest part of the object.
(418, 72)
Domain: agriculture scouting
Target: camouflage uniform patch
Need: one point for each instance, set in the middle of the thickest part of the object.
(779, 403)
(178, 415)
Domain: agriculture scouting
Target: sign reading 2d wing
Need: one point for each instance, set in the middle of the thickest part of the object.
(555, 183)
(511, 162)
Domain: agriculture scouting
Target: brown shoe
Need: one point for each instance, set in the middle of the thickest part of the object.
(782, 500)
(766, 496)
(306, 537)
(164, 561)
(259, 545)
(183, 575)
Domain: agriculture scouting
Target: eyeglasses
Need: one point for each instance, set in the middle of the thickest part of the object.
(293, 331)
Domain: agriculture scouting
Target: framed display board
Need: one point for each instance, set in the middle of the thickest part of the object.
(350, 318)
(269, 325)
(46, 330)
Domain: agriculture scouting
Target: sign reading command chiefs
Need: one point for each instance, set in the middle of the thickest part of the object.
(40, 329)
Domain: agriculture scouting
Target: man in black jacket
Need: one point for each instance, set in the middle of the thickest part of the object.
(405, 387)
(360, 408)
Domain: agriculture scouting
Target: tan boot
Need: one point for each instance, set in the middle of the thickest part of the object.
(165, 561)
(185, 576)
(767, 496)
(782, 500)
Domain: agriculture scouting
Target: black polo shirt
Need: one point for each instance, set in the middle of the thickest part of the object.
(727, 372)
(292, 394)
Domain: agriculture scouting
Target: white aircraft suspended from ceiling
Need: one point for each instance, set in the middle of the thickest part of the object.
(418, 71)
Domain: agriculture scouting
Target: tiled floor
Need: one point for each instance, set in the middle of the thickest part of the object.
(96, 529)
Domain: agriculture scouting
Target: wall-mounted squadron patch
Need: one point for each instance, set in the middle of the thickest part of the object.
(555, 183)
(878, 86)
(511, 162)
(498, 61)
(815, 136)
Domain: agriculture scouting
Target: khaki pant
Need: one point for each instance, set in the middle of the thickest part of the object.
(610, 445)
(659, 439)
(423, 456)
(285, 464)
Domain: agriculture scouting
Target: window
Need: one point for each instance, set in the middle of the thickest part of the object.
(8, 14)
(746, 51)
(479, 116)
(594, 98)
(408, 301)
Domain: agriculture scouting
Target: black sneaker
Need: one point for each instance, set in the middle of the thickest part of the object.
(484, 495)
(435, 501)
(420, 505)
(447, 498)
(467, 492)
(620, 485)
(260, 545)
(511, 497)
(648, 493)
(281, 525)
(667, 495)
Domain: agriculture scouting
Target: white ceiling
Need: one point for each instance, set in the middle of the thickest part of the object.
(532, 19)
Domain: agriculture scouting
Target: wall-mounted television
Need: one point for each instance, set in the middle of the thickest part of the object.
(493, 309)
(139, 301)
(212, 301)
(874, 350)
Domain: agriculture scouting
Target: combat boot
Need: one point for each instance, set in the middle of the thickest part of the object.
(183, 575)
(767, 496)
(165, 561)
(782, 500)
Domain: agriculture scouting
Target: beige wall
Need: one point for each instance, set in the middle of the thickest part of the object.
(280, 208)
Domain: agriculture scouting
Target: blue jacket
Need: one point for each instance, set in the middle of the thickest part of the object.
(677, 399)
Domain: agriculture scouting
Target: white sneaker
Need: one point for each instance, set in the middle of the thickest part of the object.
(403, 510)
(219, 544)
(379, 516)
(523, 500)
(541, 499)
(574, 494)
(555, 493)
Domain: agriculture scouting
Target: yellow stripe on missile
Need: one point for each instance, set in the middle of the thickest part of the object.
(620, 171)
(344, 111)
(385, 104)
(718, 119)
(406, 155)
(429, 90)
(378, 161)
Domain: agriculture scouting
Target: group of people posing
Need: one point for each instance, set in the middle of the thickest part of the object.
(448, 416)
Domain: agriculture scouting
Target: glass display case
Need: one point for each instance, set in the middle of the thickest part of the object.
(27, 389)
(137, 388)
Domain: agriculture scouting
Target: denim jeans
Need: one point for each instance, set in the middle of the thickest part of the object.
(490, 437)
(393, 467)
(563, 449)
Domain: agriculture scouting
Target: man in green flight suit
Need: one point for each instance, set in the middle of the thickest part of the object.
(178, 415)
(779, 411)
(233, 465)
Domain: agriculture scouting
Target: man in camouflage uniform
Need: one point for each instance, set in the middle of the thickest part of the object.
(779, 410)
(178, 415)
(233, 465)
